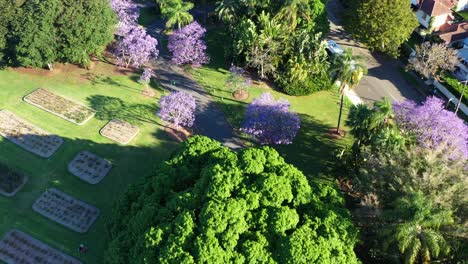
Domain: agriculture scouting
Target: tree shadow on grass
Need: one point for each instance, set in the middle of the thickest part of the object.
(99, 79)
(108, 108)
(313, 150)
(130, 165)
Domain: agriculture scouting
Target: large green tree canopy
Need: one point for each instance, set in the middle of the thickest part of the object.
(45, 31)
(383, 25)
(208, 204)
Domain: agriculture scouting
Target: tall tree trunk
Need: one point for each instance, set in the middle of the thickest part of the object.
(341, 111)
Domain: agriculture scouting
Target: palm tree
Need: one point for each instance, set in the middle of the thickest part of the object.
(177, 13)
(417, 229)
(227, 10)
(346, 69)
(293, 11)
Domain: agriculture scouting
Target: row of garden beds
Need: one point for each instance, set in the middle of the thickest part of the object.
(18, 247)
(58, 105)
(66, 210)
(10, 181)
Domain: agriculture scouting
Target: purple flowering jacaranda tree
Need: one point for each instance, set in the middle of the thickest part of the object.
(187, 45)
(271, 121)
(127, 13)
(178, 108)
(432, 125)
(145, 77)
(136, 48)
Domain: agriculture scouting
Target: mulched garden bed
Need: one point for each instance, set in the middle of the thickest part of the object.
(10, 181)
(18, 247)
(66, 210)
(89, 167)
(119, 131)
(60, 106)
(27, 135)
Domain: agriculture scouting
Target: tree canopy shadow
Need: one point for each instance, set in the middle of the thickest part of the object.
(130, 164)
(313, 151)
(108, 108)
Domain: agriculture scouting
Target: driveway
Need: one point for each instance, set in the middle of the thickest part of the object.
(384, 78)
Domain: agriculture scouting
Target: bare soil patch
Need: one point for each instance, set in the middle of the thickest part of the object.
(66, 210)
(179, 134)
(332, 133)
(27, 135)
(89, 167)
(18, 247)
(60, 106)
(120, 131)
(240, 94)
(10, 181)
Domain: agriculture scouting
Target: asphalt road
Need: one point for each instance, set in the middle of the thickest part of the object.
(384, 78)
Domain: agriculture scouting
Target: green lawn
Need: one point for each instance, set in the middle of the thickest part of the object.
(312, 151)
(114, 95)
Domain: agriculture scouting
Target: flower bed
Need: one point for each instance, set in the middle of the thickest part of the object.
(58, 105)
(120, 131)
(18, 247)
(10, 181)
(66, 210)
(89, 167)
(27, 135)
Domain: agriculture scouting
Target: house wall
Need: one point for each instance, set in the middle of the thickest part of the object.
(423, 18)
(439, 21)
(414, 2)
(462, 5)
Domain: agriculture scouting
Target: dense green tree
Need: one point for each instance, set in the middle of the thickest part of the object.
(347, 70)
(84, 27)
(383, 25)
(46, 31)
(280, 39)
(7, 11)
(208, 204)
(35, 35)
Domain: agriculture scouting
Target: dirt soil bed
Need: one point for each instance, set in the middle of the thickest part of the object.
(10, 181)
(18, 247)
(60, 106)
(66, 210)
(89, 167)
(27, 135)
(120, 131)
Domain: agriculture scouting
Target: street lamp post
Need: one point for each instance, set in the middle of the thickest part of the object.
(461, 97)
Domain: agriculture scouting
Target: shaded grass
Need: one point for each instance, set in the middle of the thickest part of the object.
(100, 88)
(312, 151)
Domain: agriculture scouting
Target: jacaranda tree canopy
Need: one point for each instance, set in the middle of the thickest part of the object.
(208, 204)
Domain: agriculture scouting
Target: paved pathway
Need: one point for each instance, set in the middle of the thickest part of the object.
(384, 78)
(210, 120)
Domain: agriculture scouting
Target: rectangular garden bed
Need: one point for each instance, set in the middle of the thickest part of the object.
(89, 167)
(18, 247)
(27, 135)
(58, 105)
(120, 131)
(10, 181)
(66, 210)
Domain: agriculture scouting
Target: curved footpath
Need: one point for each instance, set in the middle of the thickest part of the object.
(209, 118)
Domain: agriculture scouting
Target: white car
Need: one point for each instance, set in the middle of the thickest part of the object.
(333, 48)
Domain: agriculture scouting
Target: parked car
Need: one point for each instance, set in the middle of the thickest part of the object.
(333, 48)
